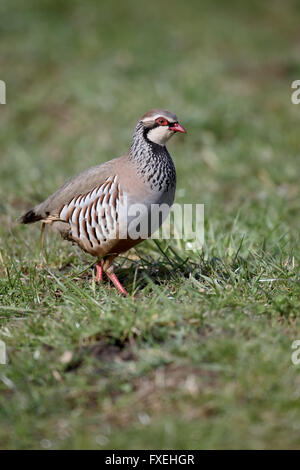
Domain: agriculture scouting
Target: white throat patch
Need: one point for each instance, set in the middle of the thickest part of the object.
(160, 135)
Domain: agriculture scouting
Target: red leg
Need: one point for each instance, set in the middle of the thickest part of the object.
(99, 272)
(117, 284)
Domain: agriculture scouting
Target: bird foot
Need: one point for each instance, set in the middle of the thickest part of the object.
(117, 284)
(99, 273)
(112, 277)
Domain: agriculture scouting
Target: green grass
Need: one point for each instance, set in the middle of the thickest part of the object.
(202, 357)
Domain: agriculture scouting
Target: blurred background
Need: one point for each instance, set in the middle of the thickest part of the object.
(79, 75)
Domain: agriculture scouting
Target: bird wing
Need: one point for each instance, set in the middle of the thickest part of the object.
(76, 186)
(93, 216)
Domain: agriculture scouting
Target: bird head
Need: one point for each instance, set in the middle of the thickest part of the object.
(160, 125)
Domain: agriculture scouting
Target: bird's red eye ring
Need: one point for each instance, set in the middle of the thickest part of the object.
(161, 121)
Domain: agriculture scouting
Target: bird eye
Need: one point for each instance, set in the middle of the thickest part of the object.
(162, 121)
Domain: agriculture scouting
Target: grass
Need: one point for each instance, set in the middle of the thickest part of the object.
(202, 357)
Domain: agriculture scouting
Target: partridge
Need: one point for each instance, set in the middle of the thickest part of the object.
(91, 209)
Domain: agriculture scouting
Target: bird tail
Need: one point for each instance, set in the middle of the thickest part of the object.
(30, 217)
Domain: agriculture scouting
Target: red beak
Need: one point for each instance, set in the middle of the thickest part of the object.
(177, 128)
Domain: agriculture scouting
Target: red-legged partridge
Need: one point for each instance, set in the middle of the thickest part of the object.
(92, 208)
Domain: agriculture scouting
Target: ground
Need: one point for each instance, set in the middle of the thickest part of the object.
(199, 355)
